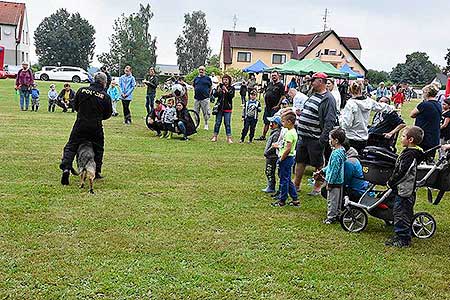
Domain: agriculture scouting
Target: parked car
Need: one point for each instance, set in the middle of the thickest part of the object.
(65, 73)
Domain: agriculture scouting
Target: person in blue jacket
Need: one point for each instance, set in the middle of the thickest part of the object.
(127, 85)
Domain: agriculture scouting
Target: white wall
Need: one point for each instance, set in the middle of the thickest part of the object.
(8, 38)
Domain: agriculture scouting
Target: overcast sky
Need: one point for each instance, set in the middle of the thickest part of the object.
(388, 30)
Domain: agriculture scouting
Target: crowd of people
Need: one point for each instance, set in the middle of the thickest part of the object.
(313, 122)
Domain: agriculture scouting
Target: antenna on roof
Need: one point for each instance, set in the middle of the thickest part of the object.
(325, 19)
(235, 19)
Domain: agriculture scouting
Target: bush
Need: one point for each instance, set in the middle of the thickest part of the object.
(236, 74)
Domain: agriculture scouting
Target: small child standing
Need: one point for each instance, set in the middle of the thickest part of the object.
(168, 119)
(114, 93)
(271, 154)
(250, 117)
(403, 184)
(52, 98)
(399, 98)
(286, 161)
(334, 175)
(34, 98)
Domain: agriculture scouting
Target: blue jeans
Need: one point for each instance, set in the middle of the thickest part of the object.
(227, 120)
(182, 128)
(286, 184)
(150, 102)
(24, 97)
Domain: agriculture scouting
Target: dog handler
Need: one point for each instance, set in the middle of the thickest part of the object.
(93, 105)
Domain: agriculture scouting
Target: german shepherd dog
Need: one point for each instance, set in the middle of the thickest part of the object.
(86, 165)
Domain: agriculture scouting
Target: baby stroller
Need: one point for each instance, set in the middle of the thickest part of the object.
(378, 165)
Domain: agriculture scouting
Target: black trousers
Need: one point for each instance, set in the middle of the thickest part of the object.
(78, 137)
(271, 167)
(126, 111)
(249, 123)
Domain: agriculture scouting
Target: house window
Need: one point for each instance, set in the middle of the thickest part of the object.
(26, 54)
(326, 51)
(278, 58)
(318, 53)
(332, 52)
(244, 56)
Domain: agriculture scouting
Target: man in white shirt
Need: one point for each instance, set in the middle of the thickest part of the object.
(298, 100)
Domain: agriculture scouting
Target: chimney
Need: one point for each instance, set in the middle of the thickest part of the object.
(252, 31)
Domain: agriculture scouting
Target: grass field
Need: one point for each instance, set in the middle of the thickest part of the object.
(184, 220)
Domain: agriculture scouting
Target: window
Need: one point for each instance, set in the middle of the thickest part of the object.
(26, 56)
(278, 58)
(332, 52)
(318, 53)
(326, 51)
(244, 56)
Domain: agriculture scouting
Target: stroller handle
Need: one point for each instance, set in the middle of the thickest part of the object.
(432, 149)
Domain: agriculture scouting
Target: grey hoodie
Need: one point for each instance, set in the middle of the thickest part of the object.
(269, 151)
(354, 117)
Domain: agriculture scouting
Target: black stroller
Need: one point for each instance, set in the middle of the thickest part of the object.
(378, 165)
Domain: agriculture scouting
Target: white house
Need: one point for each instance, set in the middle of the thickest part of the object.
(14, 32)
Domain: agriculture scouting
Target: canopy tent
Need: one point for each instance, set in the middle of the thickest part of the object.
(306, 66)
(257, 67)
(351, 74)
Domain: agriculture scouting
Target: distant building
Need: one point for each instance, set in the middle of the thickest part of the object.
(169, 70)
(14, 32)
(240, 49)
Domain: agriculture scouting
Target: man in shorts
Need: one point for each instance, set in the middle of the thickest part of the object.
(317, 119)
(272, 100)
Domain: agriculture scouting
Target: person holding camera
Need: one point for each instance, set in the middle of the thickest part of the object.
(223, 107)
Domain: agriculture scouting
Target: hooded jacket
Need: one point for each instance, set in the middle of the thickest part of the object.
(353, 173)
(269, 151)
(354, 117)
(403, 179)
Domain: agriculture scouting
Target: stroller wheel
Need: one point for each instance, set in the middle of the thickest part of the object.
(423, 225)
(353, 219)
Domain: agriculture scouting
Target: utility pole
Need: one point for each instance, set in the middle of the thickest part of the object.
(324, 18)
(235, 19)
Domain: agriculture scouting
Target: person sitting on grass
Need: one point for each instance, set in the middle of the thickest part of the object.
(183, 122)
(271, 154)
(286, 161)
(155, 120)
(334, 175)
(250, 117)
(168, 119)
(403, 185)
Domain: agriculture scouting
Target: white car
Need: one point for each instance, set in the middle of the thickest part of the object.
(64, 73)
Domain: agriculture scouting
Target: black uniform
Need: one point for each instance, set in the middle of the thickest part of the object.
(93, 106)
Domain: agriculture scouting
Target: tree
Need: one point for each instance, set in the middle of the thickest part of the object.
(237, 74)
(214, 61)
(447, 59)
(375, 77)
(417, 69)
(64, 38)
(131, 43)
(192, 44)
(209, 71)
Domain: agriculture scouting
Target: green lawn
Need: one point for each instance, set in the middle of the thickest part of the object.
(184, 220)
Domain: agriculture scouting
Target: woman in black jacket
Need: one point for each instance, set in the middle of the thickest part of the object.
(184, 123)
(223, 107)
(65, 98)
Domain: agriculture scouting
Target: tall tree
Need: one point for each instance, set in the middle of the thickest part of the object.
(417, 69)
(131, 43)
(64, 38)
(192, 44)
(375, 77)
(213, 61)
(447, 59)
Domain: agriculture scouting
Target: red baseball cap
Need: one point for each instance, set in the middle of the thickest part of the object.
(319, 75)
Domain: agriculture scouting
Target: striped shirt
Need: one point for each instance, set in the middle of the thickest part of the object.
(309, 122)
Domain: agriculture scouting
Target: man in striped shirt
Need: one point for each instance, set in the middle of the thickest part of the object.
(317, 119)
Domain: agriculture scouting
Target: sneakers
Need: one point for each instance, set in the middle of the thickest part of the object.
(206, 127)
(65, 177)
(278, 203)
(314, 193)
(241, 141)
(329, 221)
(261, 138)
(398, 242)
(268, 190)
(185, 138)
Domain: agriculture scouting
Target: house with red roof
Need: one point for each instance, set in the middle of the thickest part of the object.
(239, 49)
(14, 32)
